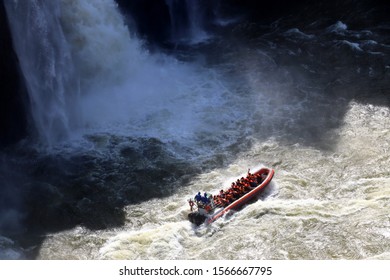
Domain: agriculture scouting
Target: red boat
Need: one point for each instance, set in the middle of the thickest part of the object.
(211, 207)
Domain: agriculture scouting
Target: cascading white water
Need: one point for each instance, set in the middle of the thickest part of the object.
(125, 89)
(86, 72)
(186, 21)
(196, 30)
(47, 66)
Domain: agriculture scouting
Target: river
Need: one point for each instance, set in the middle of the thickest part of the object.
(130, 133)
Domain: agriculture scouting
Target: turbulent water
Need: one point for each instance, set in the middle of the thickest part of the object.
(152, 129)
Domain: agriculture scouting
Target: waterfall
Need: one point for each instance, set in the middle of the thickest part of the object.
(47, 67)
(186, 21)
(195, 18)
(125, 90)
(86, 72)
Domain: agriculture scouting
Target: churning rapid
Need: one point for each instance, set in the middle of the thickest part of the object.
(126, 125)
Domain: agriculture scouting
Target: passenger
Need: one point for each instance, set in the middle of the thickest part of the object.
(198, 197)
(217, 201)
(252, 183)
(258, 178)
(191, 202)
(229, 197)
(247, 187)
(235, 194)
(224, 202)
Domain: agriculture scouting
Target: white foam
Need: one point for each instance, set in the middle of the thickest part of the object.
(295, 32)
(353, 45)
(339, 27)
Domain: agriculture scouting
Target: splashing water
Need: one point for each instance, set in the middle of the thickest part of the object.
(330, 195)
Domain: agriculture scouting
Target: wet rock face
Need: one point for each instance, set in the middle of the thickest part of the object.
(12, 91)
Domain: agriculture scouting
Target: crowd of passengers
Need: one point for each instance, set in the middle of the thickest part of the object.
(236, 190)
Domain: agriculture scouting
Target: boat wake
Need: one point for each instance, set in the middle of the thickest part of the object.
(141, 128)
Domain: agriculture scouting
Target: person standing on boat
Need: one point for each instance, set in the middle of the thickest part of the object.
(198, 197)
(191, 202)
(204, 199)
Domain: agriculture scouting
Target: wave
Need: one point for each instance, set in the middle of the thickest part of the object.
(352, 45)
(295, 32)
(339, 28)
